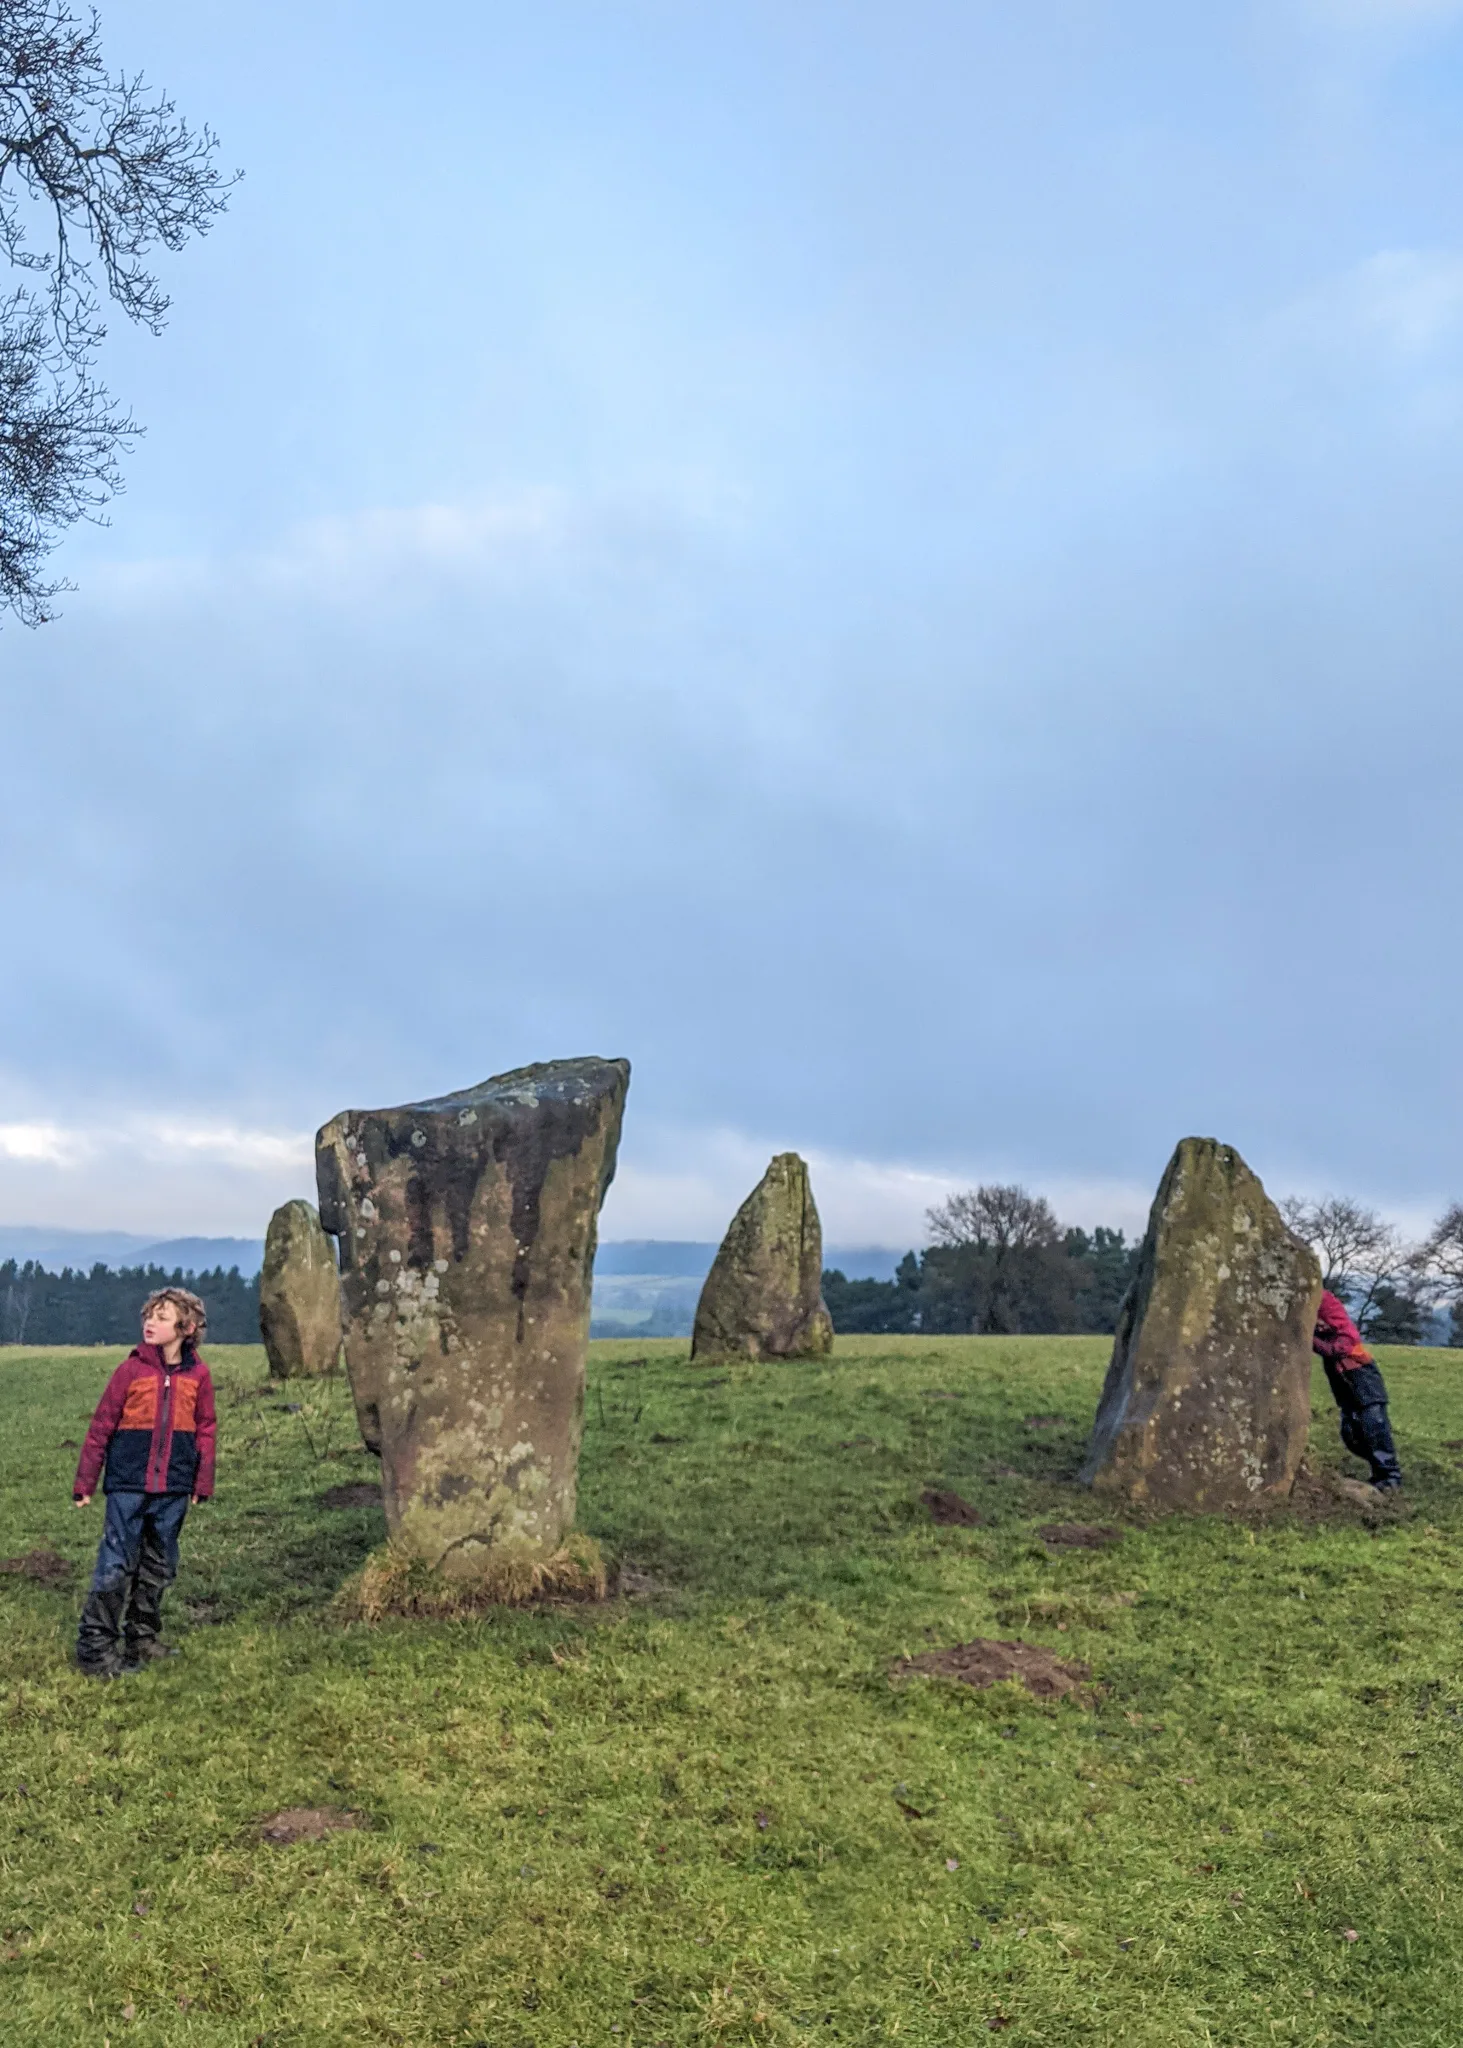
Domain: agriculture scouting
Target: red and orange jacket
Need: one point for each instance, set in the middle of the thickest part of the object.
(155, 1426)
(1337, 1338)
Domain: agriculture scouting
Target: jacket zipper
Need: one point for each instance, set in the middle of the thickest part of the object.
(164, 1417)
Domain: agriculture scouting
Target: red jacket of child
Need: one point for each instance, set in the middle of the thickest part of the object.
(1337, 1338)
(155, 1426)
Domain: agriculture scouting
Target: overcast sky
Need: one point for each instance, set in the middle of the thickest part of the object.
(900, 565)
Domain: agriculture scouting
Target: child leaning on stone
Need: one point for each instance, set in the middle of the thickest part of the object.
(154, 1428)
(1359, 1391)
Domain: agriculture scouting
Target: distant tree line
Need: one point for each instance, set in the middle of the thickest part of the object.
(102, 1306)
(999, 1264)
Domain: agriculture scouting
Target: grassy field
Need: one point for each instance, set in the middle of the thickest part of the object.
(708, 1811)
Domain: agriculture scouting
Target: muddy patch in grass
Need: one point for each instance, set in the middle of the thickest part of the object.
(1327, 1496)
(1045, 1422)
(630, 1582)
(306, 1824)
(987, 1662)
(40, 1568)
(356, 1493)
(951, 1509)
(208, 1612)
(1078, 1535)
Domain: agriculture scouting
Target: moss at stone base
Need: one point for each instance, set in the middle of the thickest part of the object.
(395, 1581)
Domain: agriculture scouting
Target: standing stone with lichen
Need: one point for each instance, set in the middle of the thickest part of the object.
(467, 1228)
(1207, 1400)
(763, 1297)
(299, 1295)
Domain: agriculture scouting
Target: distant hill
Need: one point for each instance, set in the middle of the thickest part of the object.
(83, 1249)
(56, 1248)
(670, 1258)
(861, 1261)
(682, 1259)
(202, 1254)
(647, 1286)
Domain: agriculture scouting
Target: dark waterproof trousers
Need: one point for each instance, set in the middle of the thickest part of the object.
(137, 1562)
(1361, 1395)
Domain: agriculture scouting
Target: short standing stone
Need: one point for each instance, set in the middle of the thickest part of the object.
(1207, 1399)
(763, 1296)
(467, 1228)
(299, 1294)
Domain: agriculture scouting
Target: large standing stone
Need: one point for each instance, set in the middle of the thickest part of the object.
(467, 1228)
(763, 1297)
(299, 1294)
(1207, 1399)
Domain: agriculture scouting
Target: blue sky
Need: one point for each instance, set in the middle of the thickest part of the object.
(898, 565)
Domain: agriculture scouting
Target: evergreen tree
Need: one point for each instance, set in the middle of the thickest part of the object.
(1000, 1265)
(875, 1307)
(103, 1306)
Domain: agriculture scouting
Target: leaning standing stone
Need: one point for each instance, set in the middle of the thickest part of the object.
(299, 1295)
(467, 1228)
(1207, 1399)
(763, 1297)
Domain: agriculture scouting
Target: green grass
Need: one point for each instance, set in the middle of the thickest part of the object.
(707, 1813)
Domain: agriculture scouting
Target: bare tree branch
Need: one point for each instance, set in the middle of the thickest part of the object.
(1360, 1252)
(58, 455)
(1006, 1218)
(94, 174)
(1445, 1246)
(1443, 1256)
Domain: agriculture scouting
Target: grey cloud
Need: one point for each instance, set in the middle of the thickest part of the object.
(948, 656)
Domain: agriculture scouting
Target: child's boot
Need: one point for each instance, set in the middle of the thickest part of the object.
(154, 1575)
(1375, 1431)
(99, 1636)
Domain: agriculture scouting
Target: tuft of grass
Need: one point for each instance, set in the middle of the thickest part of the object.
(705, 1812)
(395, 1582)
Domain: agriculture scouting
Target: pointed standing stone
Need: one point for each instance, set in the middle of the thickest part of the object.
(299, 1295)
(763, 1297)
(1207, 1400)
(467, 1228)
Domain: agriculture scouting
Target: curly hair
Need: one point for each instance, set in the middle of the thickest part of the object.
(192, 1315)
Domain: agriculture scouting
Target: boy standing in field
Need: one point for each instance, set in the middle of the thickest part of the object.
(1360, 1393)
(154, 1427)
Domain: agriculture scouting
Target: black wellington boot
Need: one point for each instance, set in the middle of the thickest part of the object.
(99, 1635)
(145, 1614)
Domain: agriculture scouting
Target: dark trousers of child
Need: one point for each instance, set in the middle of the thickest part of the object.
(136, 1563)
(1361, 1395)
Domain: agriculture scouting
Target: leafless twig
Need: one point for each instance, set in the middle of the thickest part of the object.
(95, 173)
(1360, 1252)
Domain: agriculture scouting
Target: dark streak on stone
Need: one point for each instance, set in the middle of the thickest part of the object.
(331, 1196)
